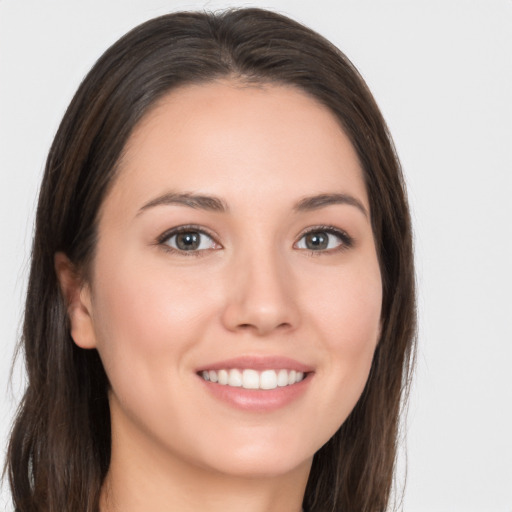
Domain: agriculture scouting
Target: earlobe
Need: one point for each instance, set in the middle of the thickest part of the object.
(76, 295)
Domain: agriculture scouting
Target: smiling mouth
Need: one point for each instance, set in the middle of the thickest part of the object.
(253, 379)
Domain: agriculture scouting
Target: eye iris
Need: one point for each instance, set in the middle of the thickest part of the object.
(188, 241)
(317, 240)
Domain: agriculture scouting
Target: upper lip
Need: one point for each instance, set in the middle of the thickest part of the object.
(258, 363)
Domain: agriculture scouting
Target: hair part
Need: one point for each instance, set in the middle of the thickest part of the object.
(59, 451)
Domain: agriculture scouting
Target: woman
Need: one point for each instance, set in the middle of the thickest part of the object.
(220, 311)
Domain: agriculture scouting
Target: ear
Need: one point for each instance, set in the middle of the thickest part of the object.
(77, 297)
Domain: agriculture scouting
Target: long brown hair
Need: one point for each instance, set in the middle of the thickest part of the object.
(59, 451)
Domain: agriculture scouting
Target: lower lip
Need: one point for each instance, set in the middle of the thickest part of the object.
(258, 400)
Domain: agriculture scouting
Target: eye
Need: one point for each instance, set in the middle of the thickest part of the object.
(324, 239)
(187, 239)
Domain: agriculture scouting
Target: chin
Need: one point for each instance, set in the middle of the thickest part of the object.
(273, 456)
(261, 467)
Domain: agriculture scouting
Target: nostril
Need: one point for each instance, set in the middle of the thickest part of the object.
(247, 326)
(260, 314)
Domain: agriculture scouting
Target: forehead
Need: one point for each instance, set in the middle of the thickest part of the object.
(235, 140)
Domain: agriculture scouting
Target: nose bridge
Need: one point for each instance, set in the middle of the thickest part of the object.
(261, 290)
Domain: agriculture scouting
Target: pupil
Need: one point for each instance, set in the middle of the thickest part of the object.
(187, 241)
(316, 241)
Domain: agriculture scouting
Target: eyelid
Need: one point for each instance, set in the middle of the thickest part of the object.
(166, 235)
(346, 241)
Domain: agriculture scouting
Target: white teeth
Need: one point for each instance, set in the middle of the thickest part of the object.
(235, 378)
(282, 378)
(223, 377)
(253, 379)
(250, 379)
(268, 379)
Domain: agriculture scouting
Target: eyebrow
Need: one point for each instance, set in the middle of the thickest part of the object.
(196, 201)
(215, 204)
(322, 200)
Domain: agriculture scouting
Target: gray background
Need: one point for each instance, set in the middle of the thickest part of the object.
(441, 72)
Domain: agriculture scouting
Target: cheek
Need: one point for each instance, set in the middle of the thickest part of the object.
(145, 319)
(148, 322)
(347, 314)
(358, 322)
(348, 308)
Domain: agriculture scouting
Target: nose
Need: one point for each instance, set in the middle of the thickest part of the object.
(260, 296)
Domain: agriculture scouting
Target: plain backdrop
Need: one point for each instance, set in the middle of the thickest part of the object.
(441, 72)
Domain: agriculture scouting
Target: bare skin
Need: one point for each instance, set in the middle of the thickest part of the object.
(238, 227)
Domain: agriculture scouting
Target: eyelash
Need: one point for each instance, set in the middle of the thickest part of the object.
(346, 241)
(164, 238)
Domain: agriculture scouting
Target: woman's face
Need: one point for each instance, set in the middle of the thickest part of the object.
(236, 240)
